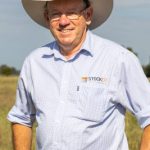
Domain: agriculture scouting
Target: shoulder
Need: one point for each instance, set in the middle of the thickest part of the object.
(37, 55)
(111, 48)
(115, 49)
(115, 54)
(41, 51)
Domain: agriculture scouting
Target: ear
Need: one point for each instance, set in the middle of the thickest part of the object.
(88, 15)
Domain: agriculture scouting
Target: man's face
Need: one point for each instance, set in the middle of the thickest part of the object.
(68, 32)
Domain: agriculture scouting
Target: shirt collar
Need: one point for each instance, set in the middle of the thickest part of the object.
(87, 46)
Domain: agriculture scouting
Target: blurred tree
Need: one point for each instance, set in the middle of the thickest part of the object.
(147, 70)
(6, 70)
(131, 50)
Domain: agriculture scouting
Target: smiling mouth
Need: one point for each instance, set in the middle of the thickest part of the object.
(66, 30)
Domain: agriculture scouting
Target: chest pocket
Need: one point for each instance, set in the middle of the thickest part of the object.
(91, 100)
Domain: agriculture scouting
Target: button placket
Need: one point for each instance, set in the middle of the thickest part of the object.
(61, 108)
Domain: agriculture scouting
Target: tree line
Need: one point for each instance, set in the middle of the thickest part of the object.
(146, 68)
(7, 70)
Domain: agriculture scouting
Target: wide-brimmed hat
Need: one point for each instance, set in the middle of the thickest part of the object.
(101, 11)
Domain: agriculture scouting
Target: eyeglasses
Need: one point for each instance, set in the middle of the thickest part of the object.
(70, 15)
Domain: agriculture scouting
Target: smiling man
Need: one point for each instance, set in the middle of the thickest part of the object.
(69, 29)
(78, 87)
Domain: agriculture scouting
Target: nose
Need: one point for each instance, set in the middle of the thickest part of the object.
(63, 21)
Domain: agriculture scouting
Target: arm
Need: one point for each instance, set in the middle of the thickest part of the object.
(137, 95)
(22, 137)
(145, 141)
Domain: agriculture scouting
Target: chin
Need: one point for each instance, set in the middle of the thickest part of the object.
(66, 42)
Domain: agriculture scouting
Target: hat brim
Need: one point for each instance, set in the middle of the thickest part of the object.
(101, 11)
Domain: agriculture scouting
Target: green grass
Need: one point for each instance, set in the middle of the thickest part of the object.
(7, 98)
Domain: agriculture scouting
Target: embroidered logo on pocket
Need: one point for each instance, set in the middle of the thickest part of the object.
(101, 80)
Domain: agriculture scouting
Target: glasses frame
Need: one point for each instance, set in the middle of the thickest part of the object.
(56, 17)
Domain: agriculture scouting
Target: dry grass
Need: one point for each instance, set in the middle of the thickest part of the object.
(133, 132)
(7, 98)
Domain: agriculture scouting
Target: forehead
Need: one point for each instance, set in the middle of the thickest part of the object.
(65, 4)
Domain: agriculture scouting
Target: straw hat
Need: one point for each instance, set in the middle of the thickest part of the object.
(102, 9)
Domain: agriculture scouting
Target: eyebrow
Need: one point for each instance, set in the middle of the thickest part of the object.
(69, 10)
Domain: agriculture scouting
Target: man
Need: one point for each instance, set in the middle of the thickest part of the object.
(78, 87)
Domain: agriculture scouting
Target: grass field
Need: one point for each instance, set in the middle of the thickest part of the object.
(7, 98)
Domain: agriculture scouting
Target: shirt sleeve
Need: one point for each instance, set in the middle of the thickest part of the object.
(23, 112)
(135, 89)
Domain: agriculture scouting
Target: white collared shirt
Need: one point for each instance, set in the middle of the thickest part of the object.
(80, 103)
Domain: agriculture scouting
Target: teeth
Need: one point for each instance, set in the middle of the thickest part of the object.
(64, 31)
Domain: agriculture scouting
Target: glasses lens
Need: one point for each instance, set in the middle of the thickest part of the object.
(72, 16)
(69, 15)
